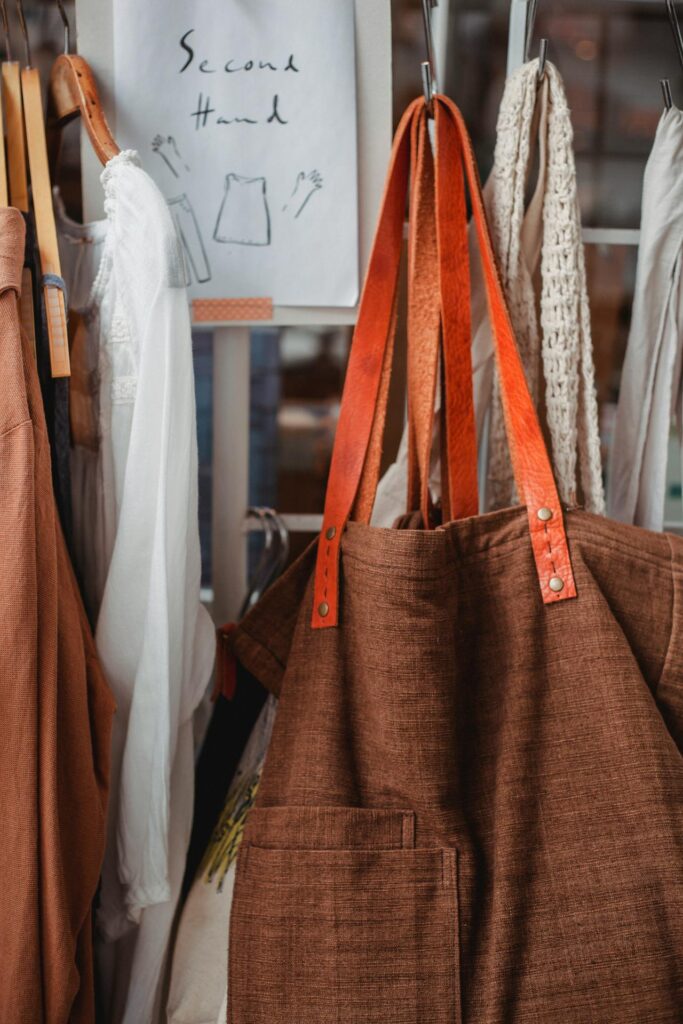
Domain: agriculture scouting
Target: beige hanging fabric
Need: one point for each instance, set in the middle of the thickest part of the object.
(561, 342)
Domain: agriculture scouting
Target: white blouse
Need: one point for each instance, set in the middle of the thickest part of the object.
(135, 497)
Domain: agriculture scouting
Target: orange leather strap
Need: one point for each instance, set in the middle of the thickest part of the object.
(367, 488)
(364, 374)
(424, 319)
(369, 366)
(454, 291)
(439, 321)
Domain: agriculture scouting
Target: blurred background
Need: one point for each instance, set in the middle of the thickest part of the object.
(611, 56)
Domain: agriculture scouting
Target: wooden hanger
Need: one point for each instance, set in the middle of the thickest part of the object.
(14, 165)
(41, 192)
(4, 195)
(10, 72)
(73, 91)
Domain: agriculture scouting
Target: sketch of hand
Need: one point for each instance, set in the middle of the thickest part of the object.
(165, 146)
(305, 186)
(174, 146)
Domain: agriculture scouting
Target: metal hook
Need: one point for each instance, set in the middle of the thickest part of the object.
(531, 12)
(428, 67)
(532, 8)
(24, 32)
(666, 93)
(67, 27)
(5, 29)
(675, 28)
(542, 58)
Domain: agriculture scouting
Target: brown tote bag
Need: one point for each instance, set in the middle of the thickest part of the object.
(472, 806)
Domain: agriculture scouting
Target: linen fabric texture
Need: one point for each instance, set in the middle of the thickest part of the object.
(472, 804)
(136, 540)
(55, 709)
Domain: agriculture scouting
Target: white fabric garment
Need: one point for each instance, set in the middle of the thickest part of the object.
(199, 977)
(549, 231)
(135, 498)
(650, 393)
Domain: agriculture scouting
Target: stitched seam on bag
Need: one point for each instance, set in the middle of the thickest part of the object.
(408, 831)
(585, 530)
(550, 548)
(380, 567)
(396, 827)
(260, 644)
(449, 864)
(499, 549)
(511, 539)
(326, 570)
(588, 526)
(607, 539)
(389, 563)
(626, 551)
(668, 657)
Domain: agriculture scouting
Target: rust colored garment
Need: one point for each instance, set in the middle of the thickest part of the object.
(56, 716)
(472, 806)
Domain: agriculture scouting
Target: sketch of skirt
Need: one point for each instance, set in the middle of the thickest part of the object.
(190, 236)
(244, 217)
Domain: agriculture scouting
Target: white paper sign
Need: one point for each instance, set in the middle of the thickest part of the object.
(244, 113)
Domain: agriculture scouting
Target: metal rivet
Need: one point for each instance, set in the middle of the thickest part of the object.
(556, 584)
(323, 609)
(330, 532)
(544, 514)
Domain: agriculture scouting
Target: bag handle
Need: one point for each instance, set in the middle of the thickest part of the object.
(369, 365)
(530, 461)
(423, 318)
(424, 341)
(439, 322)
(357, 451)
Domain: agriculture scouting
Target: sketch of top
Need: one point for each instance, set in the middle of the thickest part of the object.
(243, 217)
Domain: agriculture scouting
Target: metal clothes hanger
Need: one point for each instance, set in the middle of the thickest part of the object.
(41, 193)
(273, 557)
(73, 91)
(678, 40)
(531, 12)
(428, 67)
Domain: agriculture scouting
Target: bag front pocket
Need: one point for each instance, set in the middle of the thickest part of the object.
(359, 935)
